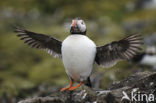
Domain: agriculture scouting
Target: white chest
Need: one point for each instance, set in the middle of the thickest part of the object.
(78, 54)
(149, 60)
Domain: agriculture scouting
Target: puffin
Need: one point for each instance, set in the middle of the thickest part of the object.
(147, 58)
(79, 53)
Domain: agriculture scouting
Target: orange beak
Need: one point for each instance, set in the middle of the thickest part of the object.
(74, 23)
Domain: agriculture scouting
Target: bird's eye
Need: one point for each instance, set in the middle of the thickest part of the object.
(82, 23)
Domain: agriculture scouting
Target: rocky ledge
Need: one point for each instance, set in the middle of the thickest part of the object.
(138, 88)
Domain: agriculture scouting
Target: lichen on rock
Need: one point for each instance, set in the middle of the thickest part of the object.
(144, 82)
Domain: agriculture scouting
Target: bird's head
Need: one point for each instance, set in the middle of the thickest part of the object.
(151, 50)
(78, 26)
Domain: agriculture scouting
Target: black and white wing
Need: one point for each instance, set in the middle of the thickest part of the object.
(124, 49)
(35, 40)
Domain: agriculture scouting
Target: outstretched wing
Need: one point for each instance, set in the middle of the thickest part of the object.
(35, 40)
(124, 49)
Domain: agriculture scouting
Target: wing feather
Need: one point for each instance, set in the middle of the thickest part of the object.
(41, 41)
(123, 49)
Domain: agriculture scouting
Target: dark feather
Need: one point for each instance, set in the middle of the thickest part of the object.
(124, 49)
(37, 40)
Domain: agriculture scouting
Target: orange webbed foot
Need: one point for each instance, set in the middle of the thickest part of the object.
(72, 88)
(63, 89)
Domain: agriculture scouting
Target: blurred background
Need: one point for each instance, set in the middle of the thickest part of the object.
(25, 71)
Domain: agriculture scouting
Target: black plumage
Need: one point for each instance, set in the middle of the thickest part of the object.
(126, 48)
(137, 58)
(36, 40)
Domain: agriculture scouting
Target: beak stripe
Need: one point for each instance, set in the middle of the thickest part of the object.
(74, 23)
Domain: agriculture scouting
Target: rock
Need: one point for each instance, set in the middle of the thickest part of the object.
(140, 84)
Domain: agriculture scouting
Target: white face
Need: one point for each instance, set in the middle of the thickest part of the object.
(80, 24)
